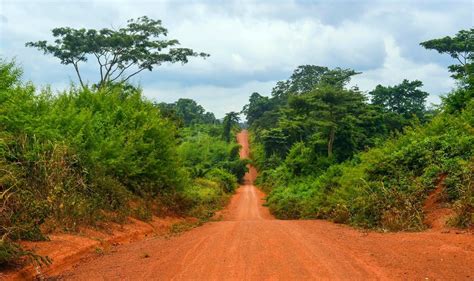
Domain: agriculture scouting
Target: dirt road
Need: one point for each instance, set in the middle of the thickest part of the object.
(249, 244)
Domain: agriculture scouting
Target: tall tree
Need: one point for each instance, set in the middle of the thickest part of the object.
(256, 107)
(231, 119)
(329, 107)
(306, 77)
(188, 111)
(120, 54)
(405, 98)
(459, 47)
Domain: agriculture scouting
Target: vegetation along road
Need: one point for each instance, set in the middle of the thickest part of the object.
(249, 244)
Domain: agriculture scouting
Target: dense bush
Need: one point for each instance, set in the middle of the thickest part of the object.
(83, 156)
(386, 186)
(203, 151)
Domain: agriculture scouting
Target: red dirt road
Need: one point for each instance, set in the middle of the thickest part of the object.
(249, 244)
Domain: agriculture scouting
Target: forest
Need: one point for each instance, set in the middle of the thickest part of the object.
(327, 150)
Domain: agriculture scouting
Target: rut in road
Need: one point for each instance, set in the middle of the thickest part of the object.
(250, 244)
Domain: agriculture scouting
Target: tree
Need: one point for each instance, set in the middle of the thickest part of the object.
(188, 112)
(460, 47)
(230, 120)
(329, 108)
(405, 98)
(256, 107)
(120, 54)
(306, 77)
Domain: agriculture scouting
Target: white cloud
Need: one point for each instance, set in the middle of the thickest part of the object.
(396, 68)
(227, 98)
(252, 43)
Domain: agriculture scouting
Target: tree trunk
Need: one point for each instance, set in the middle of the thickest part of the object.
(76, 67)
(332, 134)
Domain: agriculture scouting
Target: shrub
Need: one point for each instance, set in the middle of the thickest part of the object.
(226, 180)
(384, 187)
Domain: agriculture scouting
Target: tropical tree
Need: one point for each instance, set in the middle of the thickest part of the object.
(329, 108)
(306, 77)
(120, 54)
(461, 48)
(256, 107)
(405, 98)
(231, 119)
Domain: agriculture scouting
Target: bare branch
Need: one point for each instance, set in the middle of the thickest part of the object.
(76, 67)
(100, 64)
(111, 64)
(121, 72)
(133, 74)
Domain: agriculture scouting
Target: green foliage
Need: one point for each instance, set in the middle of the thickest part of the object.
(81, 156)
(256, 107)
(385, 187)
(324, 152)
(231, 120)
(204, 197)
(404, 99)
(226, 180)
(459, 47)
(203, 151)
(138, 46)
(458, 99)
(187, 112)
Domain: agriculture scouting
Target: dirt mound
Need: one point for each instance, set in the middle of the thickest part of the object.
(66, 250)
(435, 210)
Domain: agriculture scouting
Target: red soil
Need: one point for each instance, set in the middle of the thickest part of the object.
(66, 250)
(436, 214)
(249, 244)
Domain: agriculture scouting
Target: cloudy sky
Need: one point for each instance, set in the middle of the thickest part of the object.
(252, 44)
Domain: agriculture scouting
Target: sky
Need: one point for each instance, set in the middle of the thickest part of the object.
(253, 44)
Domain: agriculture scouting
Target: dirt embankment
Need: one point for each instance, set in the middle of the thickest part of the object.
(249, 244)
(66, 250)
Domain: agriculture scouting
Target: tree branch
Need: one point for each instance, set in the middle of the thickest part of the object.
(76, 67)
(111, 64)
(133, 74)
(100, 64)
(121, 72)
(457, 57)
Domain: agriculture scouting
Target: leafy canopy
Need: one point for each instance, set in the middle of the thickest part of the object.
(231, 119)
(459, 47)
(405, 98)
(306, 77)
(120, 54)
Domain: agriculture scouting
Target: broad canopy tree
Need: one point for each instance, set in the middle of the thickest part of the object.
(231, 120)
(317, 107)
(328, 108)
(406, 98)
(306, 77)
(459, 47)
(120, 54)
